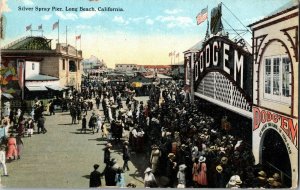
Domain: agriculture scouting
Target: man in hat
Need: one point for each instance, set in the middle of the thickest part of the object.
(107, 153)
(219, 178)
(149, 179)
(95, 177)
(171, 169)
(154, 157)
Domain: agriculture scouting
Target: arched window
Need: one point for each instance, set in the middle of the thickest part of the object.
(72, 66)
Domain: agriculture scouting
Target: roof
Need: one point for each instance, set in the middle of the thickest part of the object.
(30, 43)
(196, 47)
(161, 76)
(36, 88)
(292, 4)
(55, 87)
(156, 66)
(42, 77)
(8, 96)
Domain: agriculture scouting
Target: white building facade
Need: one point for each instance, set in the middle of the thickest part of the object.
(275, 93)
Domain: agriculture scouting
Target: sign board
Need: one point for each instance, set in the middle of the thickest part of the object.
(286, 126)
(222, 55)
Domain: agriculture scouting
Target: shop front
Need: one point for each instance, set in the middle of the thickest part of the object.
(275, 93)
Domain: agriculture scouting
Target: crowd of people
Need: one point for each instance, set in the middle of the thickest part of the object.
(186, 147)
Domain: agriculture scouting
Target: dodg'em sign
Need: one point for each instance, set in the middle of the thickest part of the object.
(222, 55)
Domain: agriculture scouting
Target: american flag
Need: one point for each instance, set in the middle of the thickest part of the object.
(28, 27)
(202, 16)
(55, 25)
(40, 27)
(78, 37)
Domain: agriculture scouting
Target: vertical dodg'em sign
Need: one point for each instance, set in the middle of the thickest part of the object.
(219, 54)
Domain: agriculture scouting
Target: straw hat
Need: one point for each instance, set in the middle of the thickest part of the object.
(276, 176)
(262, 175)
(126, 142)
(219, 168)
(238, 180)
(224, 160)
(232, 181)
(202, 159)
(108, 145)
(270, 180)
(155, 146)
(171, 155)
(148, 170)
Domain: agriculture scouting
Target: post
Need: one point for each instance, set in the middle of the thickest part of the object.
(67, 35)
(192, 77)
(58, 33)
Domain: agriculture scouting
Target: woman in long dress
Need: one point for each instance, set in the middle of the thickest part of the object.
(12, 148)
(202, 175)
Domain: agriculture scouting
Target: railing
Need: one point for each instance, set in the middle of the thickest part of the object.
(69, 50)
(14, 42)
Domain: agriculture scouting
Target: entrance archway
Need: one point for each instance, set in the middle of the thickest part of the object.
(275, 157)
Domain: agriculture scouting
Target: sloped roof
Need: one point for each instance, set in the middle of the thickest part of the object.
(42, 77)
(286, 7)
(196, 47)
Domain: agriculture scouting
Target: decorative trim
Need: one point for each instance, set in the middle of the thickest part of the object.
(292, 69)
(275, 21)
(294, 43)
(229, 78)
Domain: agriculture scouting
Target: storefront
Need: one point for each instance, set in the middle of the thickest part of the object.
(275, 92)
(219, 72)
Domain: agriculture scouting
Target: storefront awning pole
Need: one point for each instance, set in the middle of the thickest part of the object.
(192, 77)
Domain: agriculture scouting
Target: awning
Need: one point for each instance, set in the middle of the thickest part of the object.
(36, 88)
(54, 87)
(8, 96)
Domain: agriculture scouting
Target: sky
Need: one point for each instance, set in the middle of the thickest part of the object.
(144, 33)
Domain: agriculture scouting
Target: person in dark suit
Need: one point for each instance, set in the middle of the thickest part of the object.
(95, 180)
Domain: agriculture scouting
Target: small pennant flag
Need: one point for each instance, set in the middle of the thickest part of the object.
(28, 27)
(202, 16)
(55, 25)
(78, 37)
(40, 27)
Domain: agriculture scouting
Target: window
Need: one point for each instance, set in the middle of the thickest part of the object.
(64, 64)
(72, 66)
(277, 78)
(32, 66)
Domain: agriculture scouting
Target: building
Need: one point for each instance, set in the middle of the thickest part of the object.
(275, 92)
(31, 60)
(218, 72)
(125, 67)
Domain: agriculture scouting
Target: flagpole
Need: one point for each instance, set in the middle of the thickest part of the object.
(58, 32)
(66, 35)
(80, 41)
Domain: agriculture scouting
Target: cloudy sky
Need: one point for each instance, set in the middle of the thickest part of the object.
(144, 33)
